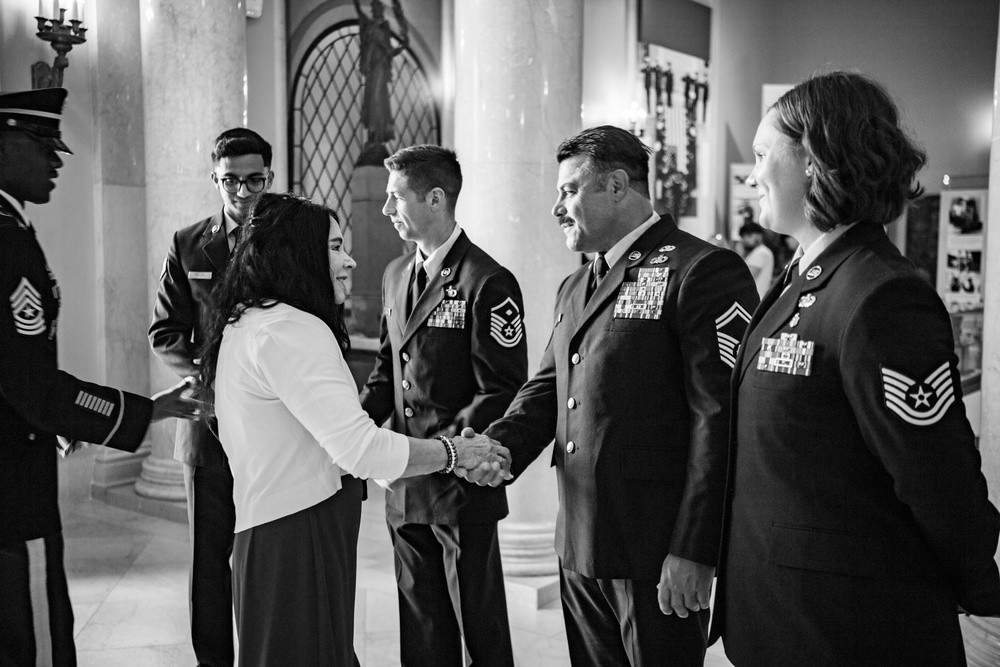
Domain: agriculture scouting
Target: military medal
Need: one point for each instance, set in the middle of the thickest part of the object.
(807, 300)
(450, 314)
(795, 320)
(786, 355)
(451, 292)
(643, 299)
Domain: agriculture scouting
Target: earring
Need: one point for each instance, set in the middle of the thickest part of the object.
(809, 172)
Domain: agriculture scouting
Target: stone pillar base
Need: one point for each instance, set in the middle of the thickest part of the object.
(161, 479)
(526, 548)
(114, 468)
(982, 640)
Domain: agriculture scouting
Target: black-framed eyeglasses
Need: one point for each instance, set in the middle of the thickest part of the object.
(232, 185)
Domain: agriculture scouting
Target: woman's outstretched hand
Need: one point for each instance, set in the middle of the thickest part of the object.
(481, 459)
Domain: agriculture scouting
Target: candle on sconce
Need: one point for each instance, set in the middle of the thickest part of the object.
(41, 9)
(55, 10)
(81, 10)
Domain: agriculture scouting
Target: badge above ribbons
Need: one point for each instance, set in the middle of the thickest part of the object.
(505, 323)
(26, 306)
(921, 403)
(729, 334)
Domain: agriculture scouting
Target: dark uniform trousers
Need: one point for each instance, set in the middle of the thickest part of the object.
(197, 257)
(857, 516)
(634, 388)
(456, 361)
(38, 401)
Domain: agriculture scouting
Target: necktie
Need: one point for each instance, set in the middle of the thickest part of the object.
(598, 270)
(416, 287)
(231, 239)
(791, 273)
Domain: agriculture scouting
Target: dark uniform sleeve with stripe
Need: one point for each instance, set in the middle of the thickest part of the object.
(33, 388)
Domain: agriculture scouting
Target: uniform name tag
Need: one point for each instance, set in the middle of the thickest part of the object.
(786, 355)
(450, 314)
(643, 299)
(199, 275)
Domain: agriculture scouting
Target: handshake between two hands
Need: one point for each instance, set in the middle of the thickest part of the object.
(481, 459)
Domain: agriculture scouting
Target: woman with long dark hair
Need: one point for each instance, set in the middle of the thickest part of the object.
(296, 436)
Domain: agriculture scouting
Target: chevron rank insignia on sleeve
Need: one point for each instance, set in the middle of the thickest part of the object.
(729, 328)
(26, 306)
(505, 323)
(919, 402)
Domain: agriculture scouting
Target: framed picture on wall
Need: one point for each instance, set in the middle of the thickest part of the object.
(962, 224)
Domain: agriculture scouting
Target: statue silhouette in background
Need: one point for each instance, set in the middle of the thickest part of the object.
(376, 68)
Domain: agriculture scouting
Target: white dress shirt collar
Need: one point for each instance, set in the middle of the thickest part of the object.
(433, 261)
(16, 205)
(807, 256)
(619, 249)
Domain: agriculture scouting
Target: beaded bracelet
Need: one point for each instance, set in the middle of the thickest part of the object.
(449, 445)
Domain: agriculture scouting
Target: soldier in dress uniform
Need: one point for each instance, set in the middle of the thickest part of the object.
(858, 521)
(38, 402)
(634, 387)
(452, 354)
(195, 262)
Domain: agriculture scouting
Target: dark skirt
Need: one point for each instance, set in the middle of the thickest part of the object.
(294, 583)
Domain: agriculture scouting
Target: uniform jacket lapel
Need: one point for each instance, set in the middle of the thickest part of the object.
(216, 245)
(777, 307)
(433, 293)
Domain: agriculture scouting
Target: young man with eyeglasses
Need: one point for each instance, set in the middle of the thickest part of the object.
(197, 258)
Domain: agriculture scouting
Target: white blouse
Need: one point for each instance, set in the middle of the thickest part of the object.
(289, 416)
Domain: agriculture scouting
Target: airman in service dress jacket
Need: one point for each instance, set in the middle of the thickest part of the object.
(634, 387)
(858, 518)
(195, 262)
(457, 361)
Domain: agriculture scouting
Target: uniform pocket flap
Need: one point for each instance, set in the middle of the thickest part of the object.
(828, 551)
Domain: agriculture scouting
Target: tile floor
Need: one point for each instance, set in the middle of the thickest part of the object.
(128, 582)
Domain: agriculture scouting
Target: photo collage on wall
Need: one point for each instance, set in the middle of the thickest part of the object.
(960, 257)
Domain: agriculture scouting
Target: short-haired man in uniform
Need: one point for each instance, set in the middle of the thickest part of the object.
(38, 402)
(452, 355)
(634, 387)
(197, 257)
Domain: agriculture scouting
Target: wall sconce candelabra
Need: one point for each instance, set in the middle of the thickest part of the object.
(63, 35)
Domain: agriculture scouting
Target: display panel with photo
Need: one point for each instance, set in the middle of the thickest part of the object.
(962, 217)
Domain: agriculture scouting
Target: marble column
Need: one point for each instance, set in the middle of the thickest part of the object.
(982, 635)
(194, 75)
(119, 201)
(518, 78)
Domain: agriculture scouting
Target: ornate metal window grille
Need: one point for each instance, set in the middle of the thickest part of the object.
(326, 131)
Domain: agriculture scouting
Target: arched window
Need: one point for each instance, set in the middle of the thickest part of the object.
(325, 120)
